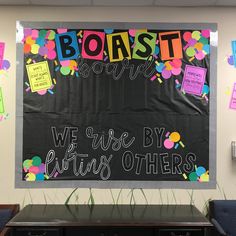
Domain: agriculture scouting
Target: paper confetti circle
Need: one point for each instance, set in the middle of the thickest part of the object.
(168, 144)
(65, 70)
(36, 161)
(30, 177)
(193, 176)
(27, 163)
(190, 51)
(200, 170)
(174, 137)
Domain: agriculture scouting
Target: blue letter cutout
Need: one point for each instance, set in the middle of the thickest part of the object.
(67, 46)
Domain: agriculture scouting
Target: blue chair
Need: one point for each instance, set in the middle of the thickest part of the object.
(6, 213)
(222, 214)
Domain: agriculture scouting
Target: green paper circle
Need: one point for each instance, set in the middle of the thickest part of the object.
(36, 161)
(190, 51)
(193, 176)
(65, 70)
(196, 35)
(203, 40)
(51, 35)
(42, 33)
(27, 164)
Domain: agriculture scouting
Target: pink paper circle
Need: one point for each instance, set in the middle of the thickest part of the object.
(132, 32)
(187, 36)
(205, 33)
(168, 144)
(51, 55)
(34, 34)
(50, 45)
(176, 63)
(34, 169)
(61, 30)
(176, 71)
(199, 55)
(42, 92)
(65, 63)
(166, 74)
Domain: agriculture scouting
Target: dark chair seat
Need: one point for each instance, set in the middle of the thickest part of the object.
(222, 214)
(5, 216)
(7, 211)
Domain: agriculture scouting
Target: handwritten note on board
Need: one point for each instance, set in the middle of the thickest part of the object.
(1, 102)
(193, 81)
(39, 76)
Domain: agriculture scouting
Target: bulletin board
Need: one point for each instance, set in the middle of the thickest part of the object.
(107, 105)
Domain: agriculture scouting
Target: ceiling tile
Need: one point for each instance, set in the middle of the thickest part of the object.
(14, 2)
(61, 2)
(226, 3)
(122, 2)
(185, 3)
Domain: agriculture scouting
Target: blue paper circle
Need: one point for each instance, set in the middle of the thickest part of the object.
(108, 31)
(200, 170)
(160, 67)
(205, 89)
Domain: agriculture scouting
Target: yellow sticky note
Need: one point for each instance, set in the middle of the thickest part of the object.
(39, 76)
(118, 46)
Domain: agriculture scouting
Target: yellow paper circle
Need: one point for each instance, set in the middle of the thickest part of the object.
(30, 177)
(175, 137)
(35, 49)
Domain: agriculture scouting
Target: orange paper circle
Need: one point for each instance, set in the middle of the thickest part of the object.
(175, 137)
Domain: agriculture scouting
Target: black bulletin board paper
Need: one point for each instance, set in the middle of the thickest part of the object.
(116, 105)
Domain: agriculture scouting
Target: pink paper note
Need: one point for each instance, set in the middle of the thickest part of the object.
(194, 79)
(2, 48)
(232, 104)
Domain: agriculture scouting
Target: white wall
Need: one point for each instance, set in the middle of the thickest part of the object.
(226, 119)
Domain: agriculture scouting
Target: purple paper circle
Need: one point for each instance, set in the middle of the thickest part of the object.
(43, 51)
(42, 168)
(6, 64)
(166, 74)
(231, 60)
(192, 42)
(27, 32)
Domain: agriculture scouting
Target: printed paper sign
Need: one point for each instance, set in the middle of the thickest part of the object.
(232, 104)
(39, 76)
(193, 81)
(2, 48)
(1, 102)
